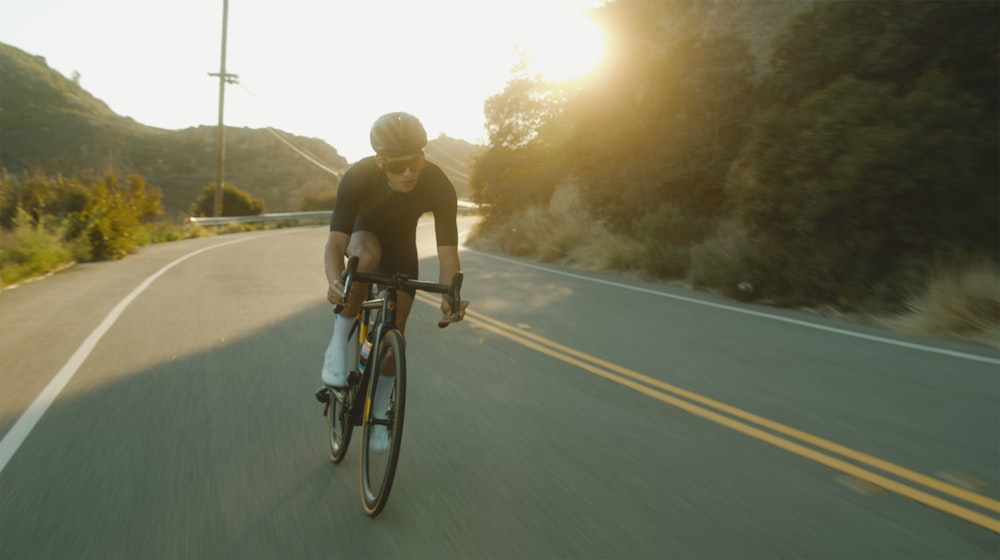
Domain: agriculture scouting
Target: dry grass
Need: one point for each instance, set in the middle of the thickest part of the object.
(960, 303)
(609, 252)
(561, 233)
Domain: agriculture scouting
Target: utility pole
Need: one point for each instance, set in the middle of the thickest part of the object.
(224, 78)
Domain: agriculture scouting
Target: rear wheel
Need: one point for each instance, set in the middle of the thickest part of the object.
(383, 427)
(338, 424)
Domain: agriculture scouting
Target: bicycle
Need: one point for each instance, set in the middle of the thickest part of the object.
(351, 406)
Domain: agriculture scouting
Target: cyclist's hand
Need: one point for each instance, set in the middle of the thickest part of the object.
(448, 316)
(335, 294)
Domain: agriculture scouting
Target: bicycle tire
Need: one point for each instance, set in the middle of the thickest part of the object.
(339, 426)
(378, 468)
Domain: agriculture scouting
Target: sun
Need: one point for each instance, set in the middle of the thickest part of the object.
(562, 44)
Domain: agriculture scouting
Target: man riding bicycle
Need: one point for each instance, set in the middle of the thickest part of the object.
(379, 201)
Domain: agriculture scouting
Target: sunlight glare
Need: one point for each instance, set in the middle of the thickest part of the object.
(565, 44)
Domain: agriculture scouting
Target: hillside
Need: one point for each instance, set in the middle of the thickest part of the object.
(455, 158)
(50, 122)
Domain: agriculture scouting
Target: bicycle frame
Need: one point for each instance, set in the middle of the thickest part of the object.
(385, 304)
(376, 479)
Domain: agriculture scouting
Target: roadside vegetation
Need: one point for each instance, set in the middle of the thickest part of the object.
(49, 222)
(842, 157)
(837, 156)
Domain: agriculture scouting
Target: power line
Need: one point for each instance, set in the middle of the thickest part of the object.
(309, 157)
(461, 169)
(304, 154)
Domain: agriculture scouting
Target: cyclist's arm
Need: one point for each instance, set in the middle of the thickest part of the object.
(449, 263)
(446, 230)
(333, 260)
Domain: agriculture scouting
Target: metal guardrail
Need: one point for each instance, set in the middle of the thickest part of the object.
(463, 206)
(257, 219)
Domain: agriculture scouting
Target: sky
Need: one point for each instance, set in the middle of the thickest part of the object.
(317, 68)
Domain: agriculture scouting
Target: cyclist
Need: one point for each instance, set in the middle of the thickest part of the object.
(379, 201)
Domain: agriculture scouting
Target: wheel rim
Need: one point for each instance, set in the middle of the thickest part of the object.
(337, 427)
(378, 468)
(338, 422)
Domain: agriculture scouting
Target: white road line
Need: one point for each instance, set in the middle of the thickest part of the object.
(910, 345)
(19, 432)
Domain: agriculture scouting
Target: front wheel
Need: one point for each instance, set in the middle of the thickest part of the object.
(383, 426)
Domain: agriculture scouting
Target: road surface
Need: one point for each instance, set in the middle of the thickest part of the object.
(161, 407)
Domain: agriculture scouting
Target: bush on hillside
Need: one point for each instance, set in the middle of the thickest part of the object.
(235, 202)
(316, 202)
(109, 227)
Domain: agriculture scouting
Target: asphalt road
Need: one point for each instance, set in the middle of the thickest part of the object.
(161, 407)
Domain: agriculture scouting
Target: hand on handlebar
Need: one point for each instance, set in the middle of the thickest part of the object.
(335, 294)
(448, 316)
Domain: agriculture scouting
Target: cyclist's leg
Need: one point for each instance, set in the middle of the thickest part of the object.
(400, 255)
(403, 307)
(404, 303)
(366, 246)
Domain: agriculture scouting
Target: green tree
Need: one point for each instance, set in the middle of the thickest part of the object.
(888, 41)
(235, 202)
(519, 168)
(507, 181)
(879, 153)
(675, 138)
(515, 116)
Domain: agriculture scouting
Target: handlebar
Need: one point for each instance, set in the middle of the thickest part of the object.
(399, 281)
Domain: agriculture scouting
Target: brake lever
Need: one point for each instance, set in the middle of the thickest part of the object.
(347, 277)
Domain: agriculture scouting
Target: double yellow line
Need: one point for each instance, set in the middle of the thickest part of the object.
(806, 445)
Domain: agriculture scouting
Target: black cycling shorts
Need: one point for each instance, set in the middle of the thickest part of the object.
(399, 252)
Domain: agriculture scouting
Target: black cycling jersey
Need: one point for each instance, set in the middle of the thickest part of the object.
(366, 203)
(365, 194)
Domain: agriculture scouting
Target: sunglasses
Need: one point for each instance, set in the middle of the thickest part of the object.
(399, 166)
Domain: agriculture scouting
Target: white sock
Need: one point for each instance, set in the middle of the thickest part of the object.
(334, 366)
(382, 392)
(342, 329)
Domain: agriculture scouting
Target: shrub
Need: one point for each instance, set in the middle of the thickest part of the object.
(604, 250)
(727, 263)
(109, 225)
(31, 250)
(523, 231)
(319, 201)
(235, 202)
(668, 234)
